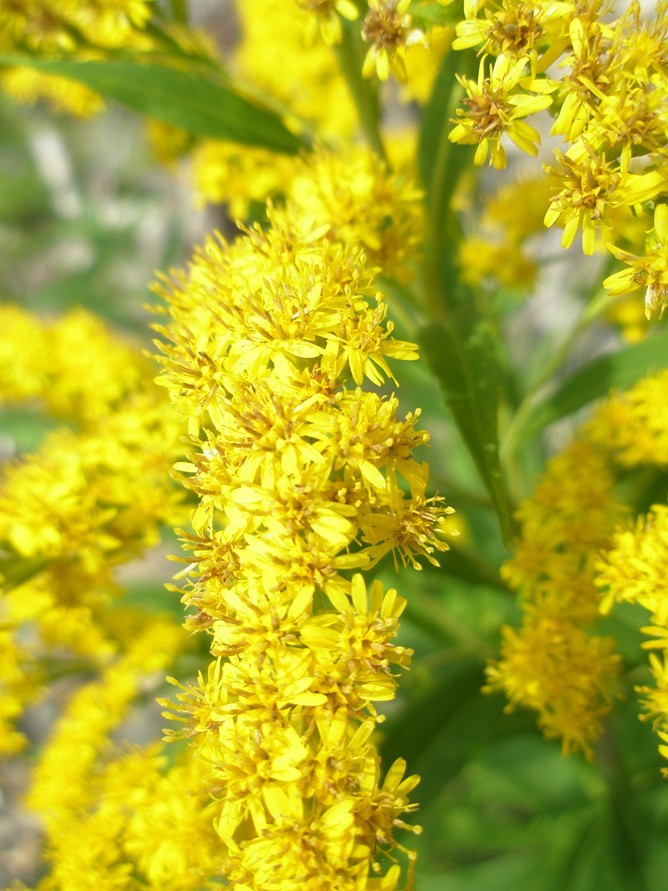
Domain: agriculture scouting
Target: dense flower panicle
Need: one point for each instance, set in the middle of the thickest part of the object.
(302, 475)
(141, 824)
(553, 663)
(633, 570)
(576, 557)
(88, 501)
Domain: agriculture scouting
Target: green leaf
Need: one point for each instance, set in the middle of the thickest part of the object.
(459, 345)
(441, 730)
(605, 373)
(183, 99)
(510, 872)
(463, 360)
(413, 732)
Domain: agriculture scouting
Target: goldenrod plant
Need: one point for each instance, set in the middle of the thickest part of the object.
(400, 422)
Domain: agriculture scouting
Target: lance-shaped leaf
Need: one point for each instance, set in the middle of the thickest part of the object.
(619, 369)
(193, 102)
(462, 358)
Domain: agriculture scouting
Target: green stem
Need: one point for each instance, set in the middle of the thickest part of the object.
(625, 829)
(441, 165)
(350, 56)
(54, 670)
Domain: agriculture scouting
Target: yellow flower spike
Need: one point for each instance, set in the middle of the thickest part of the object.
(296, 470)
(571, 516)
(91, 715)
(631, 570)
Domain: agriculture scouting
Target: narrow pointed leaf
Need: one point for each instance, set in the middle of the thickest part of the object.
(619, 369)
(195, 103)
(463, 362)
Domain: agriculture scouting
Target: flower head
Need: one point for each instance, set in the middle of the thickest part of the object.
(649, 271)
(388, 28)
(495, 107)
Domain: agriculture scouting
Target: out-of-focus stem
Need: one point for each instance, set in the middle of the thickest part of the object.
(350, 56)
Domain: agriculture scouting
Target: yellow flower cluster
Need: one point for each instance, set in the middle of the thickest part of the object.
(609, 105)
(569, 549)
(497, 252)
(303, 474)
(633, 571)
(352, 191)
(299, 73)
(86, 502)
(239, 176)
(364, 203)
(119, 818)
(53, 364)
(327, 17)
(553, 663)
(142, 826)
(79, 27)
